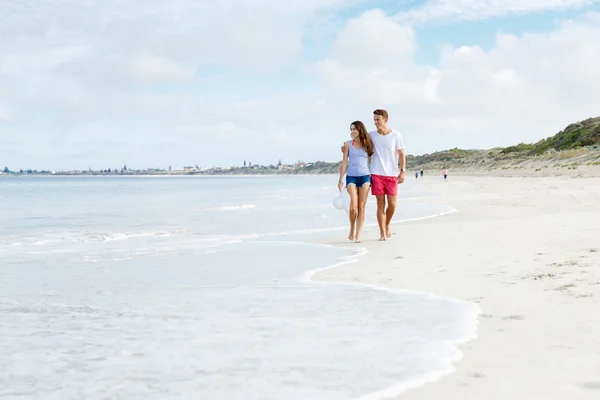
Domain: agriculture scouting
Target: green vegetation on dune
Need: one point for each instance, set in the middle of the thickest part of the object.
(580, 134)
(579, 141)
(446, 156)
(520, 148)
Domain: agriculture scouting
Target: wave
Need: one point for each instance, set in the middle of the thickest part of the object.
(49, 238)
(232, 207)
(108, 237)
(97, 260)
(338, 228)
(163, 240)
(238, 207)
(446, 365)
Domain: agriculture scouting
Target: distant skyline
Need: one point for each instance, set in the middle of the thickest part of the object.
(158, 83)
(244, 164)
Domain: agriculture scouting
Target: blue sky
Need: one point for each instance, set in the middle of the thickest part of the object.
(159, 83)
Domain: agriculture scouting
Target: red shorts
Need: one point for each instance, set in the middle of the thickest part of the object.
(381, 185)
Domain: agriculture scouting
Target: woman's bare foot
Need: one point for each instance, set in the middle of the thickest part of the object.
(388, 233)
(351, 236)
(357, 240)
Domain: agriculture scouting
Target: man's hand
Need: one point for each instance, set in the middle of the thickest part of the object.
(345, 148)
(401, 177)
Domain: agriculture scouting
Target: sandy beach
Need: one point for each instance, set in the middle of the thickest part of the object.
(527, 251)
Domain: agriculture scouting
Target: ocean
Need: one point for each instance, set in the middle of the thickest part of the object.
(199, 288)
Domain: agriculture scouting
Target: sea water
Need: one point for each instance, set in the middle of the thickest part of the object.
(199, 288)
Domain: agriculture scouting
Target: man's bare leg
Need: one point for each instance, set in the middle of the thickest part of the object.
(389, 213)
(381, 216)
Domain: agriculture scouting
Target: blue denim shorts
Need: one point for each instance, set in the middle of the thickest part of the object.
(359, 181)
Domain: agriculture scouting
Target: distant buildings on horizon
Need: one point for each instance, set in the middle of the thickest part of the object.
(153, 171)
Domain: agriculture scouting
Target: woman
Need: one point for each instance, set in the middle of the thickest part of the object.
(358, 181)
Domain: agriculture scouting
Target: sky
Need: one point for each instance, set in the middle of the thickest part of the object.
(102, 83)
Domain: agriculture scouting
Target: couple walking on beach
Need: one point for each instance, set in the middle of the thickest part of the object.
(370, 161)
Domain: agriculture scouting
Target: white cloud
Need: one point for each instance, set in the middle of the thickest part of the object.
(261, 34)
(5, 115)
(522, 89)
(147, 69)
(93, 45)
(372, 39)
(162, 82)
(373, 57)
(86, 69)
(446, 10)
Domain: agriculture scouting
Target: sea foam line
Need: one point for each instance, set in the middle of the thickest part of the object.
(447, 363)
(337, 228)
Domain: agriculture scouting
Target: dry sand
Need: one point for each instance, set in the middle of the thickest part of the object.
(534, 169)
(527, 250)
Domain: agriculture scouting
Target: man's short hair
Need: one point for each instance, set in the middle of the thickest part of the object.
(381, 112)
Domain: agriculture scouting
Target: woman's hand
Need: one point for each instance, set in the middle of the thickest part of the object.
(340, 185)
(344, 148)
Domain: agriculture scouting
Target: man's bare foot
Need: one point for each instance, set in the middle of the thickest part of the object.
(388, 232)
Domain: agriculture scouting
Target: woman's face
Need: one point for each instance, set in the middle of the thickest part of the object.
(353, 132)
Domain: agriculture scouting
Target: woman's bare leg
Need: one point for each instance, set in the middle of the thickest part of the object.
(353, 209)
(363, 194)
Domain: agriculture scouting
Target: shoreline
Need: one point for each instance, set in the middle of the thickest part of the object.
(397, 389)
(524, 250)
(529, 169)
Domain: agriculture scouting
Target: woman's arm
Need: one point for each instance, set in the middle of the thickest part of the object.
(343, 168)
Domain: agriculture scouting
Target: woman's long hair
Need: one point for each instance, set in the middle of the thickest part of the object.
(364, 137)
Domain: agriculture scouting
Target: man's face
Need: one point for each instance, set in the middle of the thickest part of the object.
(380, 122)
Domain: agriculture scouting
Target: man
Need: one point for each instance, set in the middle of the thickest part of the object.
(385, 174)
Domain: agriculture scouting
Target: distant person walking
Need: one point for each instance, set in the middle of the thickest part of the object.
(386, 174)
(417, 175)
(445, 172)
(421, 174)
(355, 163)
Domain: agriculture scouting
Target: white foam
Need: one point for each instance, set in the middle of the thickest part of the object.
(108, 237)
(396, 390)
(102, 259)
(446, 367)
(238, 207)
(338, 228)
(50, 237)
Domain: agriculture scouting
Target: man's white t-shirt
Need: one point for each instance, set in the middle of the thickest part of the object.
(385, 159)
